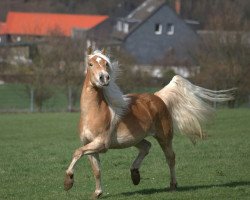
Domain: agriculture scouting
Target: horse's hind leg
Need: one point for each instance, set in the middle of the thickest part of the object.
(164, 137)
(143, 148)
(170, 157)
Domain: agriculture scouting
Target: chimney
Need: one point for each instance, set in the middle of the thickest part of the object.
(178, 6)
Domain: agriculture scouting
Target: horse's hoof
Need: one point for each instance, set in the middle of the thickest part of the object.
(96, 195)
(135, 176)
(173, 186)
(68, 181)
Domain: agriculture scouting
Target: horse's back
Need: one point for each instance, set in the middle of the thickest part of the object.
(146, 103)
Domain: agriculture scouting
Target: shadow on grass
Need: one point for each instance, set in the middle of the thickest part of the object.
(184, 188)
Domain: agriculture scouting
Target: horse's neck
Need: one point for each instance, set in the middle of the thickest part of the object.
(110, 97)
(91, 97)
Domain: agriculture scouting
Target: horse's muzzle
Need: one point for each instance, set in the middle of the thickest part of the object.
(104, 78)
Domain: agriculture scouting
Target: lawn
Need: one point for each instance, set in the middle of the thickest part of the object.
(36, 150)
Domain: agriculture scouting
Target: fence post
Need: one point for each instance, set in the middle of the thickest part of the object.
(32, 99)
(69, 99)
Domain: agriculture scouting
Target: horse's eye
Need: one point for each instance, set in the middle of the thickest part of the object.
(90, 64)
(107, 65)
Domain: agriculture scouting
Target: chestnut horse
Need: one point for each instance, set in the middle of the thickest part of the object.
(111, 120)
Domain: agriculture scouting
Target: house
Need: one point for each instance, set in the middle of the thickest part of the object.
(23, 31)
(20, 25)
(153, 32)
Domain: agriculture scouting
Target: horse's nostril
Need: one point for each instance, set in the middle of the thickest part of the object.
(108, 77)
(101, 77)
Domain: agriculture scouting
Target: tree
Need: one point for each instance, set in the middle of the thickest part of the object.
(224, 57)
(68, 56)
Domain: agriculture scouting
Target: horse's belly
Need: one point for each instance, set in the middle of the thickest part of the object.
(124, 137)
(122, 141)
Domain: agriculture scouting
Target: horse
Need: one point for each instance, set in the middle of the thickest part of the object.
(111, 120)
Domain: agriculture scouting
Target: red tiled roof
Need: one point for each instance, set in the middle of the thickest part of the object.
(45, 23)
(3, 28)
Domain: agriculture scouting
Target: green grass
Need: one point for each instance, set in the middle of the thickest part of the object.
(16, 97)
(36, 150)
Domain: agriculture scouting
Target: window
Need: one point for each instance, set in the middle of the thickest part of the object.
(158, 29)
(170, 29)
(125, 27)
(119, 26)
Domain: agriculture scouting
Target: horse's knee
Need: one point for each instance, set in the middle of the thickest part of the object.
(77, 154)
(103, 147)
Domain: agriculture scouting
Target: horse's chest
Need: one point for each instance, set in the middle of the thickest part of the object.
(93, 127)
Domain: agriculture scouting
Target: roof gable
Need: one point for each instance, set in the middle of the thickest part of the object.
(43, 24)
(138, 16)
(146, 9)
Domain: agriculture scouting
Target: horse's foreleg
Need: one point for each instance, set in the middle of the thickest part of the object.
(91, 148)
(143, 148)
(95, 164)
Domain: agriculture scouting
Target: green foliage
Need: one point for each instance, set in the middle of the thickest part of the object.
(37, 148)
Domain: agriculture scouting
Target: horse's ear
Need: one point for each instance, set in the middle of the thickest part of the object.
(89, 50)
(103, 51)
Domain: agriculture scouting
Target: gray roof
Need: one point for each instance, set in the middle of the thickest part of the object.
(138, 16)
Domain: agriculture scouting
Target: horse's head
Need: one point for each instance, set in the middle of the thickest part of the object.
(99, 68)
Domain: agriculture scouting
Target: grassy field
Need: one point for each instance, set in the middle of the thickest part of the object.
(36, 150)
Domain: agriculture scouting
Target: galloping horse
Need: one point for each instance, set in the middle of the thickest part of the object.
(111, 120)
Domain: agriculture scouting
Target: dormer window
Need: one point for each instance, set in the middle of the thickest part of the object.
(170, 29)
(125, 27)
(158, 29)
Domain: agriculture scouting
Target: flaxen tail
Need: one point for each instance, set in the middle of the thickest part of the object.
(188, 104)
